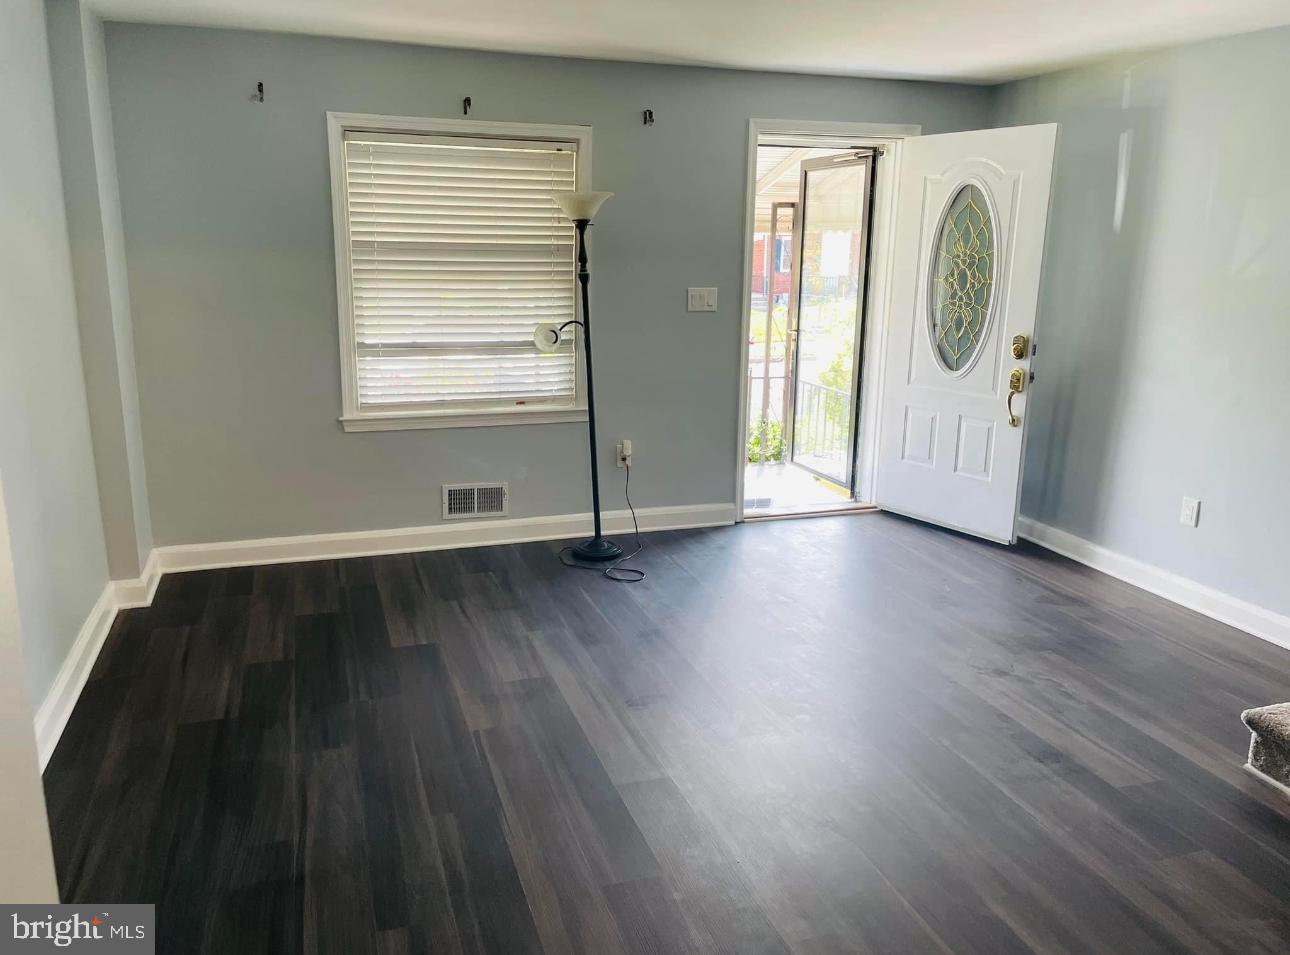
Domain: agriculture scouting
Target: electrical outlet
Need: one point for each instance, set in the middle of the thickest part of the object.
(624, 454)
(1190, 514)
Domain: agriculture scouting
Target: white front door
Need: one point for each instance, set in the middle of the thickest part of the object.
(970, 219)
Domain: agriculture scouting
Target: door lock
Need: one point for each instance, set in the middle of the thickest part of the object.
(1020, 344)
(1016, 385)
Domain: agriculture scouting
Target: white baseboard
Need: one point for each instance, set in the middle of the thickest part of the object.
(61, 699)
(515, 530)
(57, 706)
(138, 593)
(53, 713)
(1253, 619)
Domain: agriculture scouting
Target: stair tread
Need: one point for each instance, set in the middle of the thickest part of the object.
(1270, 722)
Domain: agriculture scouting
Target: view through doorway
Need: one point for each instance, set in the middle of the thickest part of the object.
(808, 279)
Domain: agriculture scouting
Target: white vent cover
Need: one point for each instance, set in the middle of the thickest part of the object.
(475, 500)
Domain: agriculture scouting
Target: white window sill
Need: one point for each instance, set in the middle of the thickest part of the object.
(460, 419)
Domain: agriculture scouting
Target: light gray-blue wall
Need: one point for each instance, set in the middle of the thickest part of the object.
(78, 61)
(227, 213)
(1165, 313)
(46, 462)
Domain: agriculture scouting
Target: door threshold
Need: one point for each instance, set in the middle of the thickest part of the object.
(809, 510)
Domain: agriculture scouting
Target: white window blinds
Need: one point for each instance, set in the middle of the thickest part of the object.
(456, 252)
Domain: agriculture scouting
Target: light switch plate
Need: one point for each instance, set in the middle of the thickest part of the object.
(701, 300)
(1190, 513)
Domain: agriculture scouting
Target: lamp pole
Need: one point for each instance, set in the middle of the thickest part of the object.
(580, 208)
(598, 547)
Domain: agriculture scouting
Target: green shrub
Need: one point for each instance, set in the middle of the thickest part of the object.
(766, 442)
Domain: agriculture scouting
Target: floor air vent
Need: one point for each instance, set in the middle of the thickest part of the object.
(474, 500)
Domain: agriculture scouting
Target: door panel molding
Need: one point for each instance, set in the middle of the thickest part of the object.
(919, 445)
(974, 449)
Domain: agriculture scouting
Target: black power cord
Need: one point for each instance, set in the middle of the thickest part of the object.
(616, 570)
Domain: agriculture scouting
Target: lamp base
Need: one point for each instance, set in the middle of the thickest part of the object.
(597, 549)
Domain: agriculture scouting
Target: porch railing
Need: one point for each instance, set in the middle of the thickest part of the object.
(821, 427)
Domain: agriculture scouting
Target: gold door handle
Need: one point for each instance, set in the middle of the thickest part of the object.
(1016, 385)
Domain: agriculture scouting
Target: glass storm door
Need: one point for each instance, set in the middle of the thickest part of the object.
(970, 219)
(832, 241)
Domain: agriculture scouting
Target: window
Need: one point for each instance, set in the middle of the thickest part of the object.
(962, 281)
(449, 251)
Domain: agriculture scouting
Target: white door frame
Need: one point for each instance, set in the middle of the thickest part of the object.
(889, 138)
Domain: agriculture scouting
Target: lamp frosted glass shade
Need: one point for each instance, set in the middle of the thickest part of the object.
(580, 205)
(547, 337)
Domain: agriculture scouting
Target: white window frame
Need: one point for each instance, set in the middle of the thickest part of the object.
(338, 124)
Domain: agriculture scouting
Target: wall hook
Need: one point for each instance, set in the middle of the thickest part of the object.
(648, 117)
(465, 106)
(258, 95)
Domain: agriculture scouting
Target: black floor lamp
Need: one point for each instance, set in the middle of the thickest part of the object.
(581, 207)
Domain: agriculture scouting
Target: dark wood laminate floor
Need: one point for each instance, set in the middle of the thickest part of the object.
(920, 743)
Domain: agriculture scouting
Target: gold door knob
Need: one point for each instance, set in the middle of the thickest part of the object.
(1016, 385)
(1019, 346)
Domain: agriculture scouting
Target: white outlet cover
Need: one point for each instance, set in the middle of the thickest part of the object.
(701, 300)
(1190, 513)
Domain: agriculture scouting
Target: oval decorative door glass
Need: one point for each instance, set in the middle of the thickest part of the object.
(962, 280)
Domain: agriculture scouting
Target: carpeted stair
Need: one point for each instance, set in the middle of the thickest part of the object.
(1270, 743)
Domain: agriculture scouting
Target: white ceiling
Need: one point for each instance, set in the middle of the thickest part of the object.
(972, 40)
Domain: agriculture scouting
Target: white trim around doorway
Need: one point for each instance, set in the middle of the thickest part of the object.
(797, 132)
